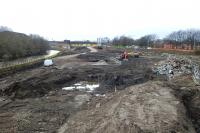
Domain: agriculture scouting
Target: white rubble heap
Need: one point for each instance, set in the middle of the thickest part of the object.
(177, 66)
(196, 74)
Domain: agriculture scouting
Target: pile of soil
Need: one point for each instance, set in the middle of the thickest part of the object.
(81, 50)
(45, 114)
(144, 108)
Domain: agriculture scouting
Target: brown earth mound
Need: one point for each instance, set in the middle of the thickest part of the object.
(148, 107)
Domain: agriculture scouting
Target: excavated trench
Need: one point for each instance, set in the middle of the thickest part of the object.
(190, 97)
(192, 104)
(191, 100)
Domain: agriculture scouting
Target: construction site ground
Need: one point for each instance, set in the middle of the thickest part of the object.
(129, 99)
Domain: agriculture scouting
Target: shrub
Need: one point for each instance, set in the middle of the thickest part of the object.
(16, 45)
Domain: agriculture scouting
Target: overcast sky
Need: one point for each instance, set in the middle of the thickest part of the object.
(89, 19)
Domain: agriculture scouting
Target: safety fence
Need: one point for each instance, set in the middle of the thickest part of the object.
(26, 61)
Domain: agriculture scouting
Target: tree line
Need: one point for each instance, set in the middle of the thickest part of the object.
(179, 39)
(16, 45)
(144, 41)
(184, 37)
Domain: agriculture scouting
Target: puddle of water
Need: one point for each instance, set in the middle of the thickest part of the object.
(68, 88)
(82, 86)
(99, 95)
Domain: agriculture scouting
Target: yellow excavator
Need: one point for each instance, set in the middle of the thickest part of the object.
(135, 54)
(125, 55)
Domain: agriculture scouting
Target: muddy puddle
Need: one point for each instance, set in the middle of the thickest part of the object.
(82, 86)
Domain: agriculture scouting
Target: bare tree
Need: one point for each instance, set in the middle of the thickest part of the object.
(123, 40)
(190, 37)
(147, 40)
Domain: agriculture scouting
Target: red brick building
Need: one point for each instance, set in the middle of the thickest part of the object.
(183, 46)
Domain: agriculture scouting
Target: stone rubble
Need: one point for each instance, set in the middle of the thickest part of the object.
(175, 66)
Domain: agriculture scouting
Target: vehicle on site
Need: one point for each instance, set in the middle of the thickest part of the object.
(135, 54)
(124, 55)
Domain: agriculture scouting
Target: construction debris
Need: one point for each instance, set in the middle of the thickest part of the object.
(176, 66)
(196, 74)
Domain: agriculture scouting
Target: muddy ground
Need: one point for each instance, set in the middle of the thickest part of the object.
(33, 100)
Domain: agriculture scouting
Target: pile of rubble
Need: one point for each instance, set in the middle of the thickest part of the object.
(177, 66)
(196, 74)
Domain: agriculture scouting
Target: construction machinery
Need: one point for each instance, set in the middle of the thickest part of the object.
(135, 53)
(124, 55)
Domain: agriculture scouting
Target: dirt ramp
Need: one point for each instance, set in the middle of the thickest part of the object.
(145, 108)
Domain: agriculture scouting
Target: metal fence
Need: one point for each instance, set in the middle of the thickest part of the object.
(9, 64)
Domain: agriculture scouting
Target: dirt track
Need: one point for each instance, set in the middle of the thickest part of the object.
(33, 100)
